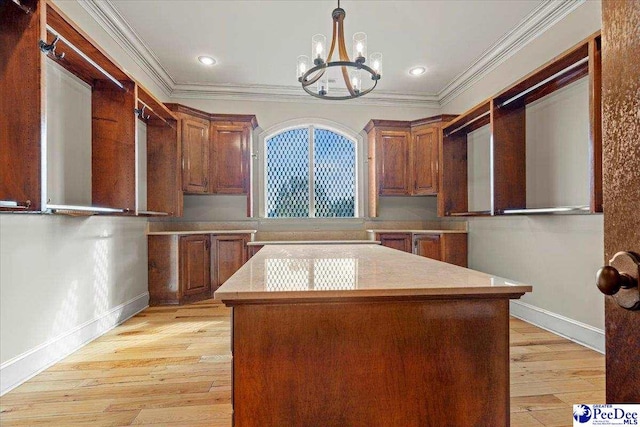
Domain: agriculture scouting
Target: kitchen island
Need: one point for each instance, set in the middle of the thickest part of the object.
(363, 335)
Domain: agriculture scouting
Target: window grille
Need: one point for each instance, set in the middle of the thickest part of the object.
(326, 189)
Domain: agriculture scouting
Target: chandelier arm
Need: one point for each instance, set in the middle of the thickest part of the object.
(340, 98)
(315, 78)
(374, 75)
(344, 56)
(333, 41)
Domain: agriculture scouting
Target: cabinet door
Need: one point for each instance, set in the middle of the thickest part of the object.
(429, 246)
(230, 159)
(399, 241)
(229, 254)
(455, 249)
(195, 265)
(394, 162)
(425, 161)
(252, 250)
(195, 155)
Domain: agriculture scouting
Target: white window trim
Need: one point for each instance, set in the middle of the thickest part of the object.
(332, 126)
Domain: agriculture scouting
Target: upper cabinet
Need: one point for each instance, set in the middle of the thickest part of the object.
(195, 154)
(404, 157)
(75, 134)
(230, 155)
(216, 152)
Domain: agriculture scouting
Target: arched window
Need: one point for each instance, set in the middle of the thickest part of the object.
(310, 171)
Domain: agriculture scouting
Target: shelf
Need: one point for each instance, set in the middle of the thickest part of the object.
(152, 213)
(9, 204)
(81, 57)
(475, 213)
(84, 210)
(560, 210)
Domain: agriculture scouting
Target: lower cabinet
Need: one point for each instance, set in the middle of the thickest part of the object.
(447, 247)
(229, 254)
(399, 241)
(189, 268)
(253, 249)
(195, 266)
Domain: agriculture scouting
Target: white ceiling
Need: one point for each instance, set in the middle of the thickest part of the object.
(256, 42)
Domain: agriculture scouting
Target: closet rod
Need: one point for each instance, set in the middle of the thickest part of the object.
(545, 81)
(468, 123)
(86, 58)
(25, 9)
(146, 107)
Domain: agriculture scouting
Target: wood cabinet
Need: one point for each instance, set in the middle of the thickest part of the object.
(425, 160)
(195, 154)
(393, 168)
(229, 254)
(216, 153)
(253, 249)
(230, 154)
(189, 267)
(195, 265)
(399, 241)
(446, 247)
(404, 158)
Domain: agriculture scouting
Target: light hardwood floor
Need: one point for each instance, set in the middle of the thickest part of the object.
(171, 366)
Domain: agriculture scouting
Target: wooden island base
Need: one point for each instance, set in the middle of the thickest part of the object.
(433, 362)
(363, 335)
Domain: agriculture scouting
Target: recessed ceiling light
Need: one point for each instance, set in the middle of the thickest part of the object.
(417, 71)
(207, 60)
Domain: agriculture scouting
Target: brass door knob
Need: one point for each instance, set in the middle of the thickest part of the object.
(609, 280)
(620, 279)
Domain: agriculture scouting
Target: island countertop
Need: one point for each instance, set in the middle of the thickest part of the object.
(316, 272)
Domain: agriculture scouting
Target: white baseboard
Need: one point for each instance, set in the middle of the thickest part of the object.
(29, 364)
(570, 329)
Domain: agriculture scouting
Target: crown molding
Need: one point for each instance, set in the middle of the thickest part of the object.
(537, 22)
(533, 25)
(110, 19)
(294, 94)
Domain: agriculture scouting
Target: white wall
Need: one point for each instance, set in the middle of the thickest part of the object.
(558, 255)
(64, 281)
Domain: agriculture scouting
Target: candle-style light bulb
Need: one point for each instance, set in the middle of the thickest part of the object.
(302, 66)
(318, 43)
(359, 47)
(376, 62)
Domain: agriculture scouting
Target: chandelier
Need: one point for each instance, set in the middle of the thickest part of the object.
(353, 72)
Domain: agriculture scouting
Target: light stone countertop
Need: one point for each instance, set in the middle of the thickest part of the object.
(316, 272)
(165, 233)
(419, 231)
(313, 242)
